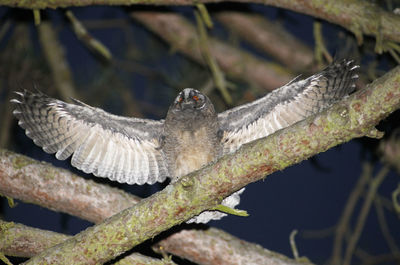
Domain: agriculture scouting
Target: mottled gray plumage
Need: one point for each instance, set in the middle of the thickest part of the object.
(132, 150)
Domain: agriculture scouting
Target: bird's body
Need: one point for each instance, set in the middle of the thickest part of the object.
(138, 151)
(190, 138)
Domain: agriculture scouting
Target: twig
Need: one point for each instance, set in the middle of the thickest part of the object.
(205, 16)
(236, 63)
(384, 227)
(293, 244)
(4, 28)
(318, 233)
(373, 187)
(269, 37)
(36, 16)
(344, 221)
(381, 259)
(395, 199)
(15, 67)
(320, 48)
(87, 39)
(5, 120)
(218, 75)
(4, 259)
(54, 54)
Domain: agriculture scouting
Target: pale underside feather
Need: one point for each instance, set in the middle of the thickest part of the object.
(121, 149)
(286, 105)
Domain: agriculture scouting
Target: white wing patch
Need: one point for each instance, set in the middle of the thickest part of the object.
(121, 149)
(286, 105)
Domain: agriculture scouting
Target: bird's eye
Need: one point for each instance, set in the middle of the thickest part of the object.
(195, 98)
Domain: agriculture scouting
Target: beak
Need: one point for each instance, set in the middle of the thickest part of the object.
(186, 104)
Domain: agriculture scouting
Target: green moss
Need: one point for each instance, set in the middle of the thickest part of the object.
(49, 173)
(4, 259)
(19, 162)
(6, 237)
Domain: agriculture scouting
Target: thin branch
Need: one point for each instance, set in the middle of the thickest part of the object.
(54, 54)
(373, 187)
(87, 39)
(320, 49)
(269, 37)
(385, 228)
(182, 36)
(353, 117)
(389, 150)
(360, 17)
(381, 259)
(218, 75)
(23, 241)
(226, 249)
(14, 68)
(293, 244)
(6, 120)
(344, 221)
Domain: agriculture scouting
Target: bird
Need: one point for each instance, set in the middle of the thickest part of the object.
(138, 151)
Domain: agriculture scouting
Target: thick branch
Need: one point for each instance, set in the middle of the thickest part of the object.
(24, 241)
(59, 189)
(41, 183)
(182, 36)
(21, 241)
(201, 190)
(360, 17)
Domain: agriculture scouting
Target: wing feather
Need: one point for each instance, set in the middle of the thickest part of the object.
(119, 148)
(286, 105)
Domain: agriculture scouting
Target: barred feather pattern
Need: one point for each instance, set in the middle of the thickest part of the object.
(121, 149)
(286, 105)
(129, 150)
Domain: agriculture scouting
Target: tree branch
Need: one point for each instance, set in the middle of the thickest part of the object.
(360, 17)
(231, 250)
(182, 36)
(269, 37)
(41, 183)
(54, 53)
(59, 189)
(355, 116)
(23, 241)
(342, 226)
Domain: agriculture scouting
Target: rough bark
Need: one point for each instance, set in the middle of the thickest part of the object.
(353, 117)
(23, 241)
(58, 189)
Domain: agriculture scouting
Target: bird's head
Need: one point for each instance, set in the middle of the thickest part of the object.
(190, 106)
(192, 100)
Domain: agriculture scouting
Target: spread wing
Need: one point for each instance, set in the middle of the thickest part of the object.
(286, 105)
(119, 148)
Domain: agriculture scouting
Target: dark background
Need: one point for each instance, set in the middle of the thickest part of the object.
(309, 197)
